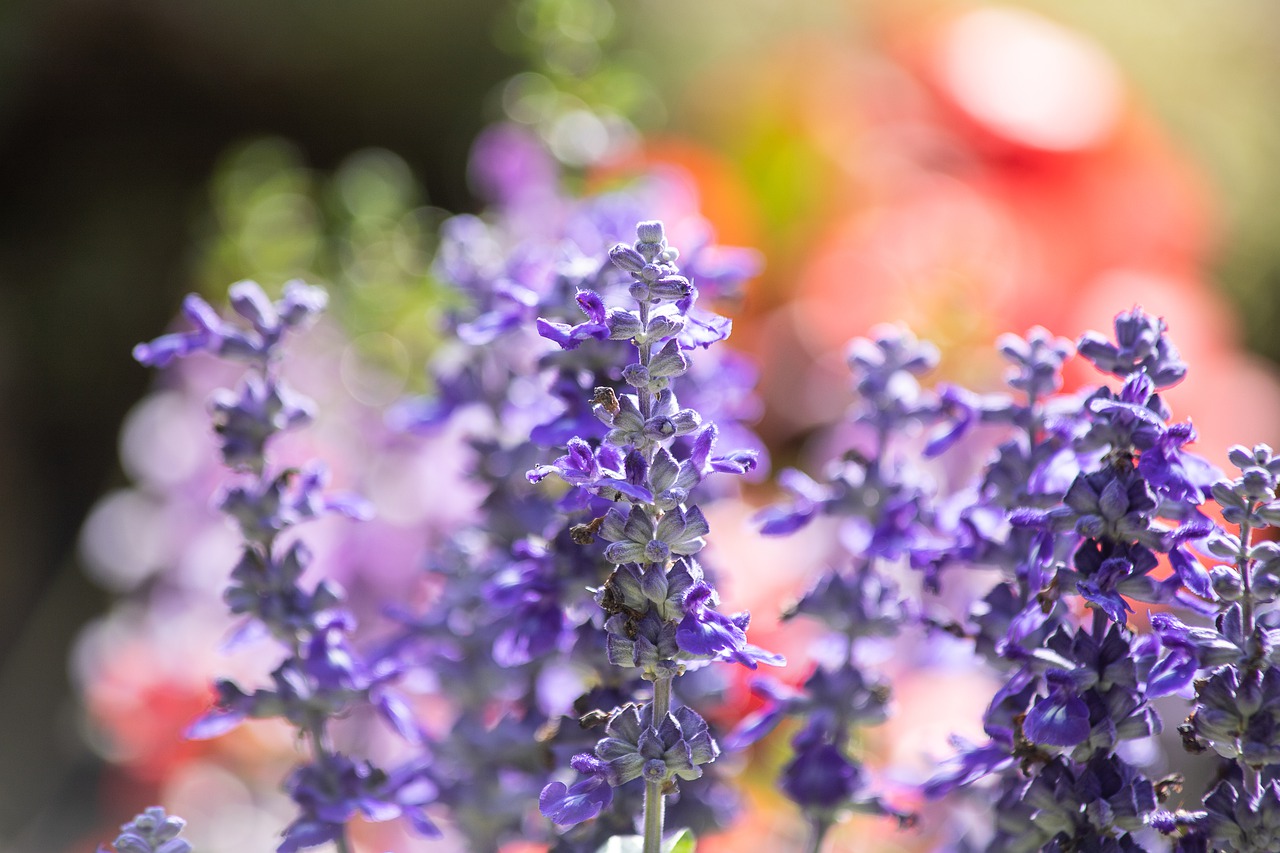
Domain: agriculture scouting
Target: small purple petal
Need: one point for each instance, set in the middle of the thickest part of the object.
(489, 326)
(1172, 675)
(637, 493)
(560, 333)
(1191, 572)
(396, 711)
(702, 329)
(308, 833)
(569, 806)
(968, 767)
(592, 305)
(777, 522)
(755, 726)
(1060, 719)
(164, 349)
(422, 824)
(214, 723)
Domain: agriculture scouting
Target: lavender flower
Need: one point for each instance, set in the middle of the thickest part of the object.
(1075, 693)
(660, 607)
(323, 676)
(885, 509)
(1234, 669)
(515, 614)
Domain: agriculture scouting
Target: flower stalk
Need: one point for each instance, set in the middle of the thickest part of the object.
(322, 677)
(658, 604)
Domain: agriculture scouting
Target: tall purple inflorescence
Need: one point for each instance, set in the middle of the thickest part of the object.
(1095, 489)
(884, 504)
(512, 628)
(660, 608)
(322, 676)
(1235, 667)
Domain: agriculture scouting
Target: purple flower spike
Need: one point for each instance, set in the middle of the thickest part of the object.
(654, 454)
(322, 676)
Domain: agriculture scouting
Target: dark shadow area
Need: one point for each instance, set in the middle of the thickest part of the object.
(112, 116)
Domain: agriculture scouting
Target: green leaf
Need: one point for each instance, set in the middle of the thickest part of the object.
(682, 842)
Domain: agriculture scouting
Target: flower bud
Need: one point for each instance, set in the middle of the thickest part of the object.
(636, 375)
(650, 232)
(626, 258)
(1226, 583)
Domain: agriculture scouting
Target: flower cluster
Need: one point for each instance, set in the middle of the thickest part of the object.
(884, 506)
(322, 676)
(512, 632)
(660, 607)
(554, 624)
(1129, 497)
(1084, 499)
(153, 831)
(1234, 669)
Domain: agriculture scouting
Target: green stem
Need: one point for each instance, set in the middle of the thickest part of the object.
(655, 802)
(1252, 779)
(646, 349)
(818, 827)
(1246, 577)
(655, 806)
(661, 699)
